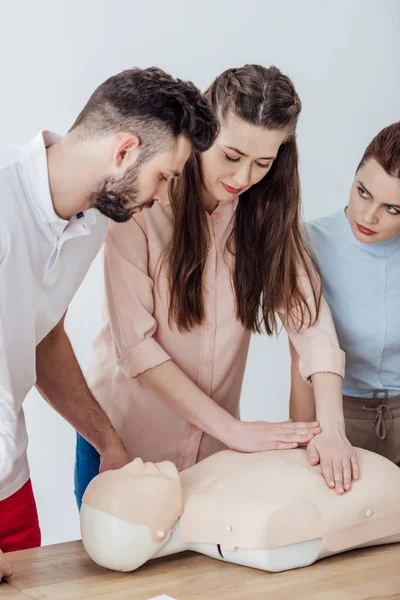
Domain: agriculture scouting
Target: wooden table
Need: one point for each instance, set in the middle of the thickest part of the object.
(64, 572)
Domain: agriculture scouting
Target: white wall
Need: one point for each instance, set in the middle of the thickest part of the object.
(344, 58)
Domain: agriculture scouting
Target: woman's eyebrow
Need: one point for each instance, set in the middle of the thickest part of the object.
(246, 155)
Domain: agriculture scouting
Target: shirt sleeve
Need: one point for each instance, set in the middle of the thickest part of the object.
(8, 420)
(317, 345)
(8, 346)
(130, 301)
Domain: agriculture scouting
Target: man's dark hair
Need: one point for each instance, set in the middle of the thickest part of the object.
(151, 104)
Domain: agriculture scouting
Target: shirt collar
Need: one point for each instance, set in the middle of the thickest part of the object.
(37, 174)
(34, 159)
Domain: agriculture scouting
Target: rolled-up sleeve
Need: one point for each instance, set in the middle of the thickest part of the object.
(317, 345)
(130, 302)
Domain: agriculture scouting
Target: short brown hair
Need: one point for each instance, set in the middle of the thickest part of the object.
(150, 103)
(385, 149)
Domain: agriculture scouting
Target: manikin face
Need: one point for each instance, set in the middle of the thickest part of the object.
(122, 511)
(374, 207)
(240, 157)
(162, 470)
(143, 182)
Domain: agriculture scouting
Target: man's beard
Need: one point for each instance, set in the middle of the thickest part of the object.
(118, 198)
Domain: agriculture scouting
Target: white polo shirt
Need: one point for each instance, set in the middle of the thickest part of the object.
(43, 260)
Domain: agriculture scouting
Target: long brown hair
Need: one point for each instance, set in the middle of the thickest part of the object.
(266, 237)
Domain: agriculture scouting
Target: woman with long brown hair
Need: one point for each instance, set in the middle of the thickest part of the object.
(188, 281)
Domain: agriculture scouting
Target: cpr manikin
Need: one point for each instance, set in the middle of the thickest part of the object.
(269, 510)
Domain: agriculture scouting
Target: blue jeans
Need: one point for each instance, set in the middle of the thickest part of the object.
(87, 466)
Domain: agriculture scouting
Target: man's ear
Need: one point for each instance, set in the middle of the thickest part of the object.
(127, 146)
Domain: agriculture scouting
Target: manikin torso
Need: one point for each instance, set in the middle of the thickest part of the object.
(269, 510)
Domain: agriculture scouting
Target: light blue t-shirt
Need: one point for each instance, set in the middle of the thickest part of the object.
(361, 284)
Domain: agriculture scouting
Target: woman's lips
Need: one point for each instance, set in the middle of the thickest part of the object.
(364, 230)
(230, 189)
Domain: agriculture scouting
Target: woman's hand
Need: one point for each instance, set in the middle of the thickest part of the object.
(336, 456)
(258, 436)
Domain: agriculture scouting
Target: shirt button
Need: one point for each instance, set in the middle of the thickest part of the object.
(207, 325)
(207, 362)
(215, 217)
(208, 287)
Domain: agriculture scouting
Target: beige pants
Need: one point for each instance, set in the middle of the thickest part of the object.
(374, 423)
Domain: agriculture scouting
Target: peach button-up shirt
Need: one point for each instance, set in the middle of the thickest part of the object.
(136, 336)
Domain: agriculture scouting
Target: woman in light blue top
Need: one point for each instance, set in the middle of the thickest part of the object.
(358, 251)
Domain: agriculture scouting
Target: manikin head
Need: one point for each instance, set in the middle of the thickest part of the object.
(374, 206)
(139, 127)
(127, 514)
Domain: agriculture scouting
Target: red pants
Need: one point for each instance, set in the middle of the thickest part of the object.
(19, 523)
